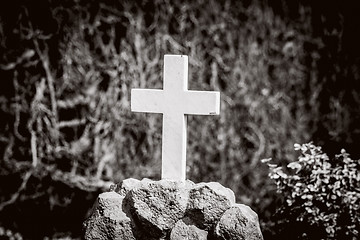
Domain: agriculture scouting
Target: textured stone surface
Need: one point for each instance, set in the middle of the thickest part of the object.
(149, 210)
(208, 201)
(108, 221)
(185, 230)
(157, 206)
(238, 222)
(128, 184)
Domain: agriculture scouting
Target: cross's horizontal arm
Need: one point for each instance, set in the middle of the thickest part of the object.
(202, 103)
(147, 100)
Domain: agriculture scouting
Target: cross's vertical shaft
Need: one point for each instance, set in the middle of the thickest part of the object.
(175, 73)
(174, 148)
(174, 122)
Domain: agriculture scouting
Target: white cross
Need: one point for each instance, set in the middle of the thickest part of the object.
(174, 102)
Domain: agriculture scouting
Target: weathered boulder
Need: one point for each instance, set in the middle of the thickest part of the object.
(108, 221)
(128, 184)
(208, 201)
(156, 206)
(186, 230)
(239, 222)
(149, 210)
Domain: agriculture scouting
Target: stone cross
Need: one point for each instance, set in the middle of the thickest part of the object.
(175, 101)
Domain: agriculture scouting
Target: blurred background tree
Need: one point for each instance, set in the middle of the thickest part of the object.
(287, 71)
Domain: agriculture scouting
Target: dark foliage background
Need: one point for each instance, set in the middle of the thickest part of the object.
(287, 71)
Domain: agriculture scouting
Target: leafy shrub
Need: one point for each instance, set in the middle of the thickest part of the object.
(320, 194)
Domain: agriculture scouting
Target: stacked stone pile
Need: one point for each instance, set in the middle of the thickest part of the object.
(165, 209)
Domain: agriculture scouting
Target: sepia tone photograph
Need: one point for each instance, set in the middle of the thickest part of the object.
(179, 119)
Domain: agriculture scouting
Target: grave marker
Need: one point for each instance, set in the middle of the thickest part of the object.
(175, 101)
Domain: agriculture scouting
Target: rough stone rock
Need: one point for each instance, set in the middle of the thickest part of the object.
(165, 209)
(108, 221)
(131, 183)
(156, 206)
(239, 222)
(186, 230)
(207, 203)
